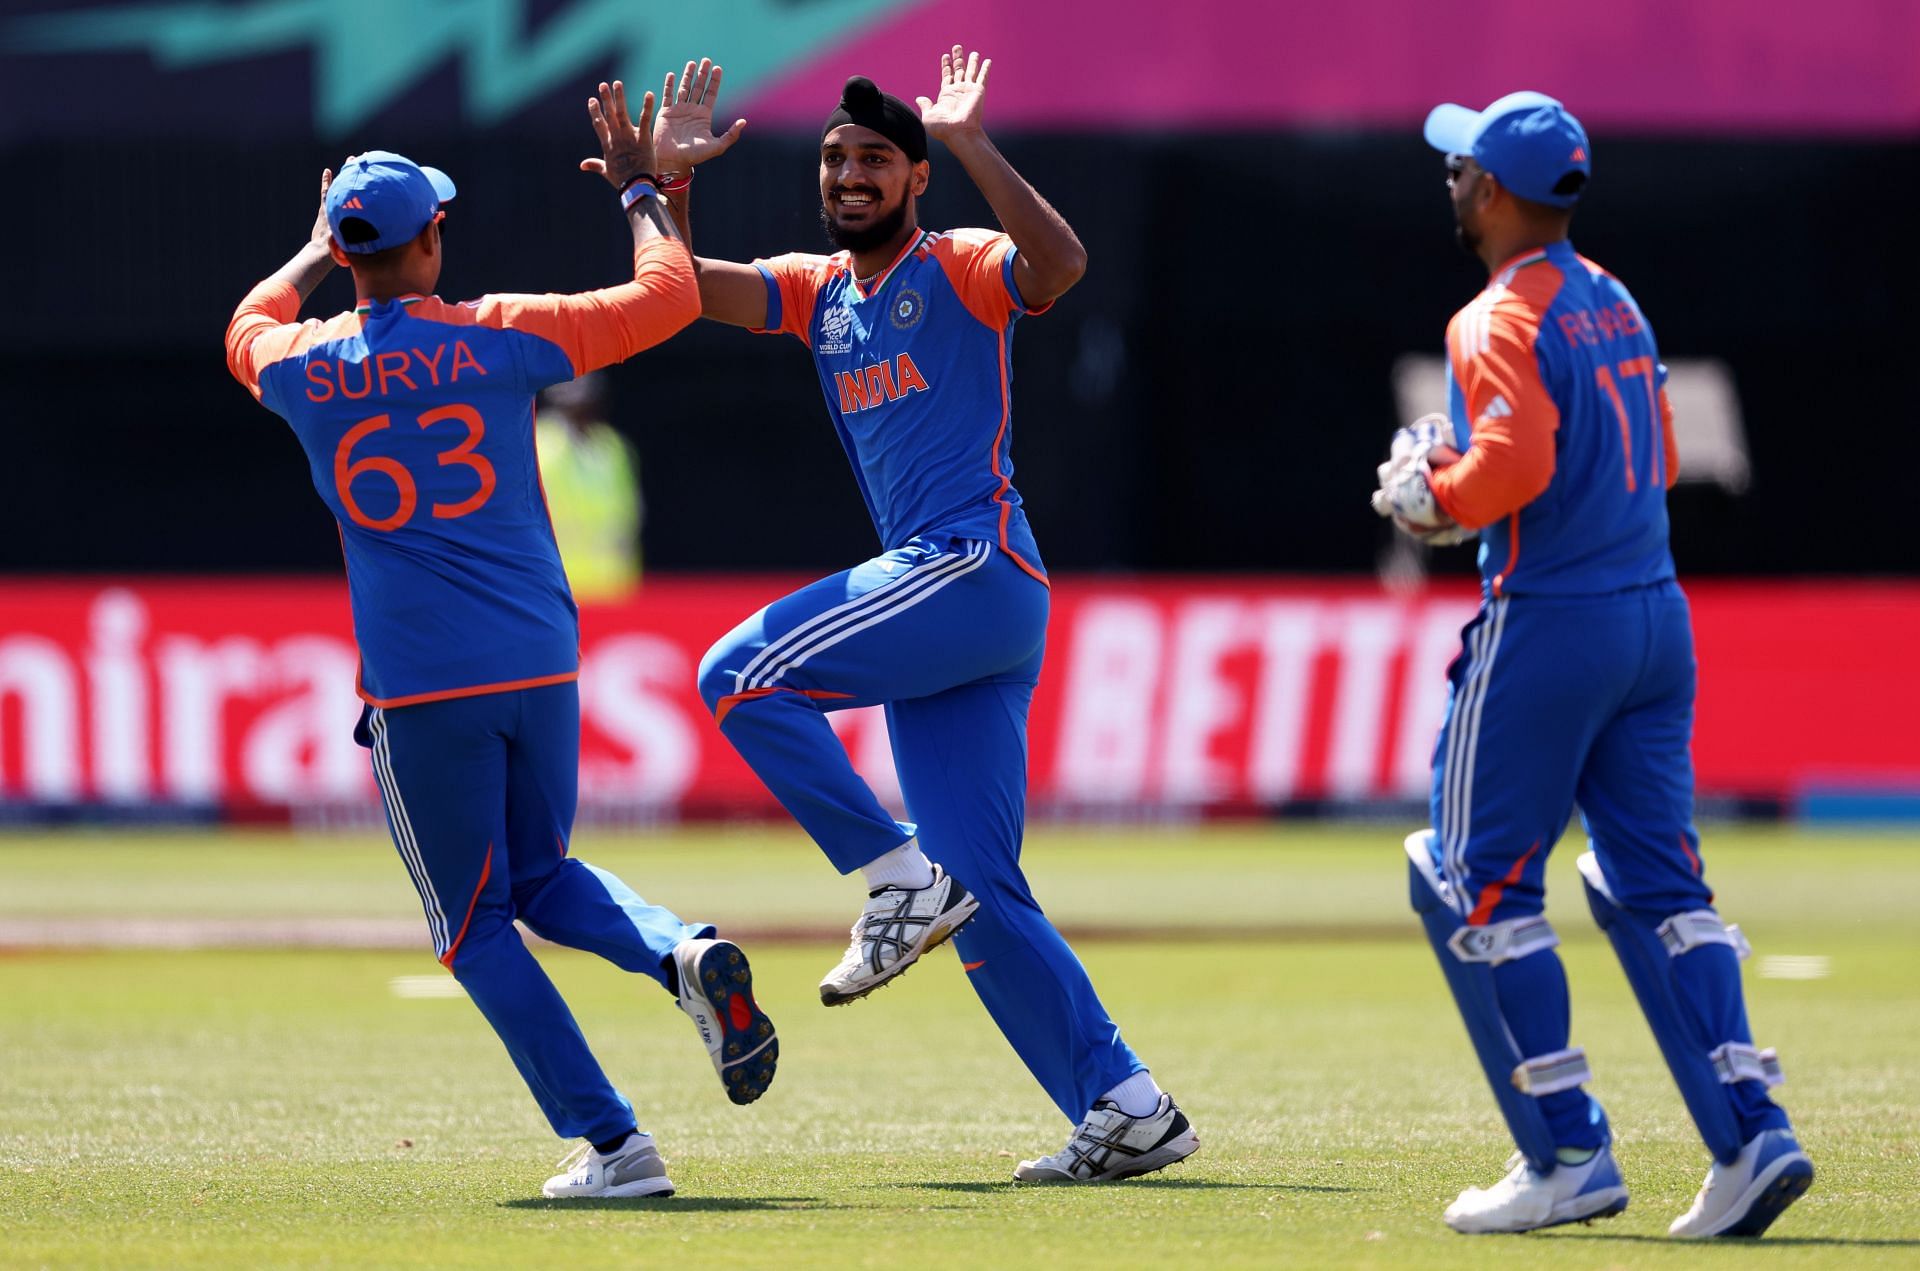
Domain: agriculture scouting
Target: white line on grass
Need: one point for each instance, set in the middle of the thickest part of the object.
(1794, 966)
(425, 986)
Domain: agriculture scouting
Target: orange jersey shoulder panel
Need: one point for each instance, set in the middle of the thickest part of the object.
(1490, 346)
(266, 329)
(975, 263)
(798, 276)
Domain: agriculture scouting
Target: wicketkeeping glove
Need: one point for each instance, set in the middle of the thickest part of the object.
(1405, 495)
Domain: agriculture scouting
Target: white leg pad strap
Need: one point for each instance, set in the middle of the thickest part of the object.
(1696, 927)
(1506, 941)
(1550, 1074)
(1737, 1061)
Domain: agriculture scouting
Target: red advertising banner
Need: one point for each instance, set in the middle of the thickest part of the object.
(1205, 694)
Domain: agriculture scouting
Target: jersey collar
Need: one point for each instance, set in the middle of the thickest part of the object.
(868, 292)
(367, 306)
(1503, 276)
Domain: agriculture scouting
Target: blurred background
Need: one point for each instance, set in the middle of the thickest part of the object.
(1197, 423)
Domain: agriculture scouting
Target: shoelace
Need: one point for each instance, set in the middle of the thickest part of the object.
(1095, 1136)
(575, 1159)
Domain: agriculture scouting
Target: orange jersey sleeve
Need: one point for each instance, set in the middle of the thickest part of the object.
(979, 265)
(793, 285)
(264, 329)
(598, 328)
(1510, 460)
(1669, 441)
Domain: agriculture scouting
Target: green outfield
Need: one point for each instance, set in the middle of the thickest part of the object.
(271, 1106)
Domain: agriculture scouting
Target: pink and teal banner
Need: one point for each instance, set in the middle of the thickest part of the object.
(1775, 66)
(331, 68)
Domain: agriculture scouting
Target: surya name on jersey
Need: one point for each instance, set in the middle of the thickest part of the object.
(382, 371)
(878, 384)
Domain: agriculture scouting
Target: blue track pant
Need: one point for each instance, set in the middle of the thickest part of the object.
(1587, 700)
(948, 633)
(479, 794)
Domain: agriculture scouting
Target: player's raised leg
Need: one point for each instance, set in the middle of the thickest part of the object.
(909, 623)
(1505, 767)
(567, 901)
(442, 768)
(1646, 886)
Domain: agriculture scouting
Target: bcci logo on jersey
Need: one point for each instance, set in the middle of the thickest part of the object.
(835, 326)
(907, 309)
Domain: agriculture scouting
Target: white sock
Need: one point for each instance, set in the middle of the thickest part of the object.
(905, 866)
(1138, 1095)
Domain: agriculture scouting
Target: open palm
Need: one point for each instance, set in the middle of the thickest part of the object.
(683, 134)
(963, 89)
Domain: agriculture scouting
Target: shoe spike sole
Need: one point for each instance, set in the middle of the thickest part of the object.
(724, 973)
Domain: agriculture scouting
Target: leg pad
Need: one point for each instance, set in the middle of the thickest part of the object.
(1694, 1013)
(1467, 956)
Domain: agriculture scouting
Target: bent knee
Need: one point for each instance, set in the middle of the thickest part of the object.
(719, 672)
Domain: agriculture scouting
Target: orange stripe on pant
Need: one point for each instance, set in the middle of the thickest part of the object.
(732, 700)
(486, 872)
(1491, 893)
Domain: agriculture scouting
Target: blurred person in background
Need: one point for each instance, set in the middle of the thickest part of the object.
(417, 419)
(1574, 687)
(592, 478)
(910, 332)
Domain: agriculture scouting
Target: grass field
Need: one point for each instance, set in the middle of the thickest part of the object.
(285, 1107)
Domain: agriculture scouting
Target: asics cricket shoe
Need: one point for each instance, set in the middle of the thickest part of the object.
(632, 1169)
(716, 989)
(1526, 1199)
(1743, 1199)
(1109, 1144)
(897, 926)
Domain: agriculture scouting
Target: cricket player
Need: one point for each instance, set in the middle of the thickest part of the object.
(1575, 688)
(417, 419)
(909, 330)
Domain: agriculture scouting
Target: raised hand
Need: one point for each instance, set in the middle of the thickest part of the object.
(626, 149)
(683, 135)
(322, 235)
(963, 87)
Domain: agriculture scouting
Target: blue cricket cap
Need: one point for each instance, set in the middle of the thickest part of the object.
(1527, 140)
(391, 193)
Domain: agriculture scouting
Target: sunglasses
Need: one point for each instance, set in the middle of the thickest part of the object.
(1456, 167)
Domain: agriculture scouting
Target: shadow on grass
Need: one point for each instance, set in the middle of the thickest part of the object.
(1757, 1242)
(673, 1204)
(1134, 1184)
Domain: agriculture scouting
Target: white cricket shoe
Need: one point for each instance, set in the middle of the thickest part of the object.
(632, 1169)
(1526, 1200)
(716, 990)
(896, 927)
(1743, 1199)
(1109, 1144)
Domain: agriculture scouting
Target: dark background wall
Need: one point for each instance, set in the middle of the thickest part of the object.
(1212, 397)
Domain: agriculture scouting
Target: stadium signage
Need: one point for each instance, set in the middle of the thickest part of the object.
(1176, 695)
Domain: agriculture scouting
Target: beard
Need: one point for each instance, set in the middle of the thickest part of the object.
(1468, 239)
(866, 237)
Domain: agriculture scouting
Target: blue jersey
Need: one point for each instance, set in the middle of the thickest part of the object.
(916, 366)
(1559, 406)
(417, 420)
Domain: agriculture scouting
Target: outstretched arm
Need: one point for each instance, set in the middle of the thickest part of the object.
(683, 137)
(598, 328)
(1051, 258)
(314, 260)
(275, 300)
(627, 156)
